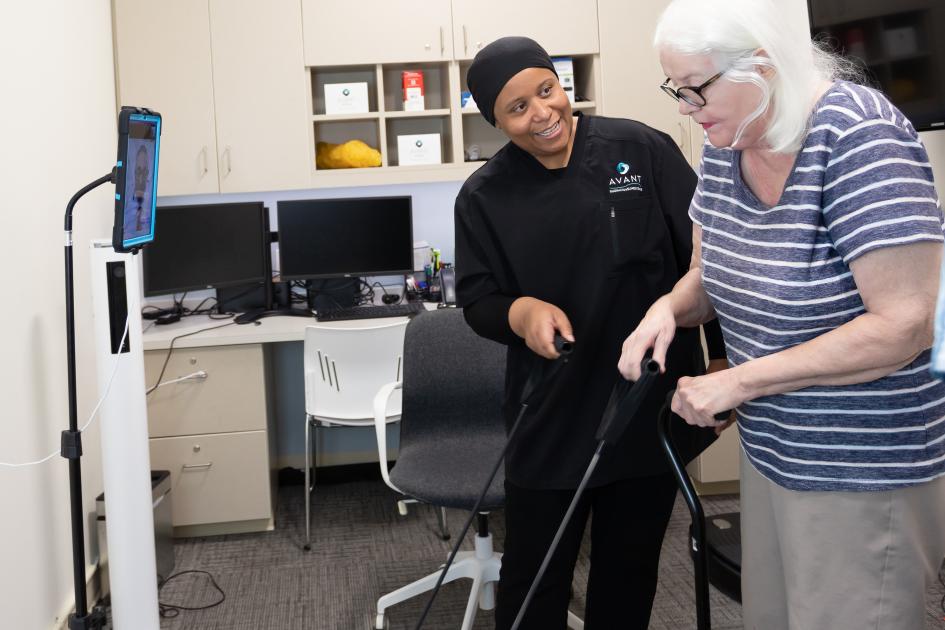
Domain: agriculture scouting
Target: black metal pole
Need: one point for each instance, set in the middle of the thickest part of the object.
(71, 447)
(697, 529)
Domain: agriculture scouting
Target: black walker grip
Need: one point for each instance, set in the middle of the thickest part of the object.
(544, 374)
(624, 401)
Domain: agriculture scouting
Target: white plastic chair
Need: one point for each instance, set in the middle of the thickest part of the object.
(345, 365)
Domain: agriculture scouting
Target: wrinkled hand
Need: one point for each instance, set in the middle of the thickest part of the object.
(717, 365)
(655, 331)
(699, 399)
(537, 322)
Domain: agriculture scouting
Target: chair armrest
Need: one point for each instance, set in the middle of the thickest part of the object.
(380, 427)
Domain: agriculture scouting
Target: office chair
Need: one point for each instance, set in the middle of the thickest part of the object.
(345, 364)
(451, 432)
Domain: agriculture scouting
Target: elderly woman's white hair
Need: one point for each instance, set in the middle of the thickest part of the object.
(743, 35)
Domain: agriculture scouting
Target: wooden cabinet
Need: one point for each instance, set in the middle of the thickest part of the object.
(631, 72)
(171, 75)
(228, 78)
(376, 31)
(561, 28)
(213, 435)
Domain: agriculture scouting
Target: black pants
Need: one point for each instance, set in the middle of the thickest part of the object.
(629, 520)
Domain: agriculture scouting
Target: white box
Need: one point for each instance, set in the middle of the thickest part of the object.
(901, 42)
(346, 98)
(564, 66)
(421, 254)
(418, 148)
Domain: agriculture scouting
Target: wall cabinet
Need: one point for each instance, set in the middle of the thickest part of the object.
(376, 31)
(228, 79)
(559, 27)
(631, 72)
(213, 435)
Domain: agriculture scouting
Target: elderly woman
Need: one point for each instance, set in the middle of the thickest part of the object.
(575, 226)
(817, 244)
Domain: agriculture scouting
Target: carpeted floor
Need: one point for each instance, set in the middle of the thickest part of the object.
(363, 549)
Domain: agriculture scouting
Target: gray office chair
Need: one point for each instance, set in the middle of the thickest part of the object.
(451, 432)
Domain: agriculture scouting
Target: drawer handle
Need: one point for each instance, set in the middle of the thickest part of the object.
(197, 466)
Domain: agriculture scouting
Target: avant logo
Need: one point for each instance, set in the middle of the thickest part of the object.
(418, 143)
(624, 181)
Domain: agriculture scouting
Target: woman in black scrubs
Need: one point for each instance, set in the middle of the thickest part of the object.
(576, 226)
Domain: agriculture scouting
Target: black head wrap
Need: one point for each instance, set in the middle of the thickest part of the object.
(498, 62)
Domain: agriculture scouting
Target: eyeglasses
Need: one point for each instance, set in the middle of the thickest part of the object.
(688, 93)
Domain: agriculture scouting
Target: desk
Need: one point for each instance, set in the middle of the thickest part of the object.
(217, 434)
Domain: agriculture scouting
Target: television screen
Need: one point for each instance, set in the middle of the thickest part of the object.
(901, 43)
(334, 238)
(206, 247)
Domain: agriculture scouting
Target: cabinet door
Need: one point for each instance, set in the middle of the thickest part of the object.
(561, 28)
(376, 31)
(162, 56)
(631, 72)
(259, 82)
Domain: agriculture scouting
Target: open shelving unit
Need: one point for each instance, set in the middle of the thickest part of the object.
(386, 119)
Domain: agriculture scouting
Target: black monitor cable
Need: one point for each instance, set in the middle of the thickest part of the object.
(537, 385)
(168, 611)
(625, 399)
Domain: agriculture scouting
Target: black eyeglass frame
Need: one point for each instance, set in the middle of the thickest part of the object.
(695, 89)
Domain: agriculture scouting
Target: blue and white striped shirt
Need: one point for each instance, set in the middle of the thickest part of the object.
(780, 276)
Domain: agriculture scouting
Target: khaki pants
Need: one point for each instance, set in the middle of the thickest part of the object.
(838, 560)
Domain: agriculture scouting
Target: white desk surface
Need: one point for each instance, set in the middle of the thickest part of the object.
(266, 330)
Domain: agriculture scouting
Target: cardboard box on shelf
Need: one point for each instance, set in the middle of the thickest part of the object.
(564, 66)
(413, 91)
(419, 148)
(346, 98)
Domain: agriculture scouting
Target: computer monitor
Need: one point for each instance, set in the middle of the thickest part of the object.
(343, 238)
(209, 246)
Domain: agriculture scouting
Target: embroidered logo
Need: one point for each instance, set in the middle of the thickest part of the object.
(625, 181)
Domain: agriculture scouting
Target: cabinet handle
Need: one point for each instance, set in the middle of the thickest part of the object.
(226, 161)
(442, 44)
(465, 40)
(203, 162)
(197, 466)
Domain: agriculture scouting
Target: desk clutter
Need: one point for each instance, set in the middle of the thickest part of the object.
(324, 255)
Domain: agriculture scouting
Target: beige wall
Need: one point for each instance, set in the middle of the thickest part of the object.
(57, 133)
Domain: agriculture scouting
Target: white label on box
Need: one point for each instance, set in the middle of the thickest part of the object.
(420, 148)
(346, 98)
(413, 99)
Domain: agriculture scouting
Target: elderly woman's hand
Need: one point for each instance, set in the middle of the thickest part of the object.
(698, 400)
(655, 331)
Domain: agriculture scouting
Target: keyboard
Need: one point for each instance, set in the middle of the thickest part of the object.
(371, 311)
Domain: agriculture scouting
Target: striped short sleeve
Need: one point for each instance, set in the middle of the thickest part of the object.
(878, 189)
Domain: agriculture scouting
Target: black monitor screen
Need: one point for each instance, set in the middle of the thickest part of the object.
(207, 246)
(901, 44)
(329, 238)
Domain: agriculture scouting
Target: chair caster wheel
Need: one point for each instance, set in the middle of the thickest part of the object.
(306, 547)
(402, 508)
(381, 622)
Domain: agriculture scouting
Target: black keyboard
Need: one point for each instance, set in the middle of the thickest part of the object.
(371, 311)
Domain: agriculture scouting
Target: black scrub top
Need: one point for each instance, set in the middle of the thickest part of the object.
(602, 239)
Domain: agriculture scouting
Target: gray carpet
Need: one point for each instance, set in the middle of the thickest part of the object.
(364, 549)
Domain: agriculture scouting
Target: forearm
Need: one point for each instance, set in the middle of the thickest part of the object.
(864, 349)
(689, 302)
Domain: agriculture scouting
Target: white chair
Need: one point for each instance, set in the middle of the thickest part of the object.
(345, 364)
